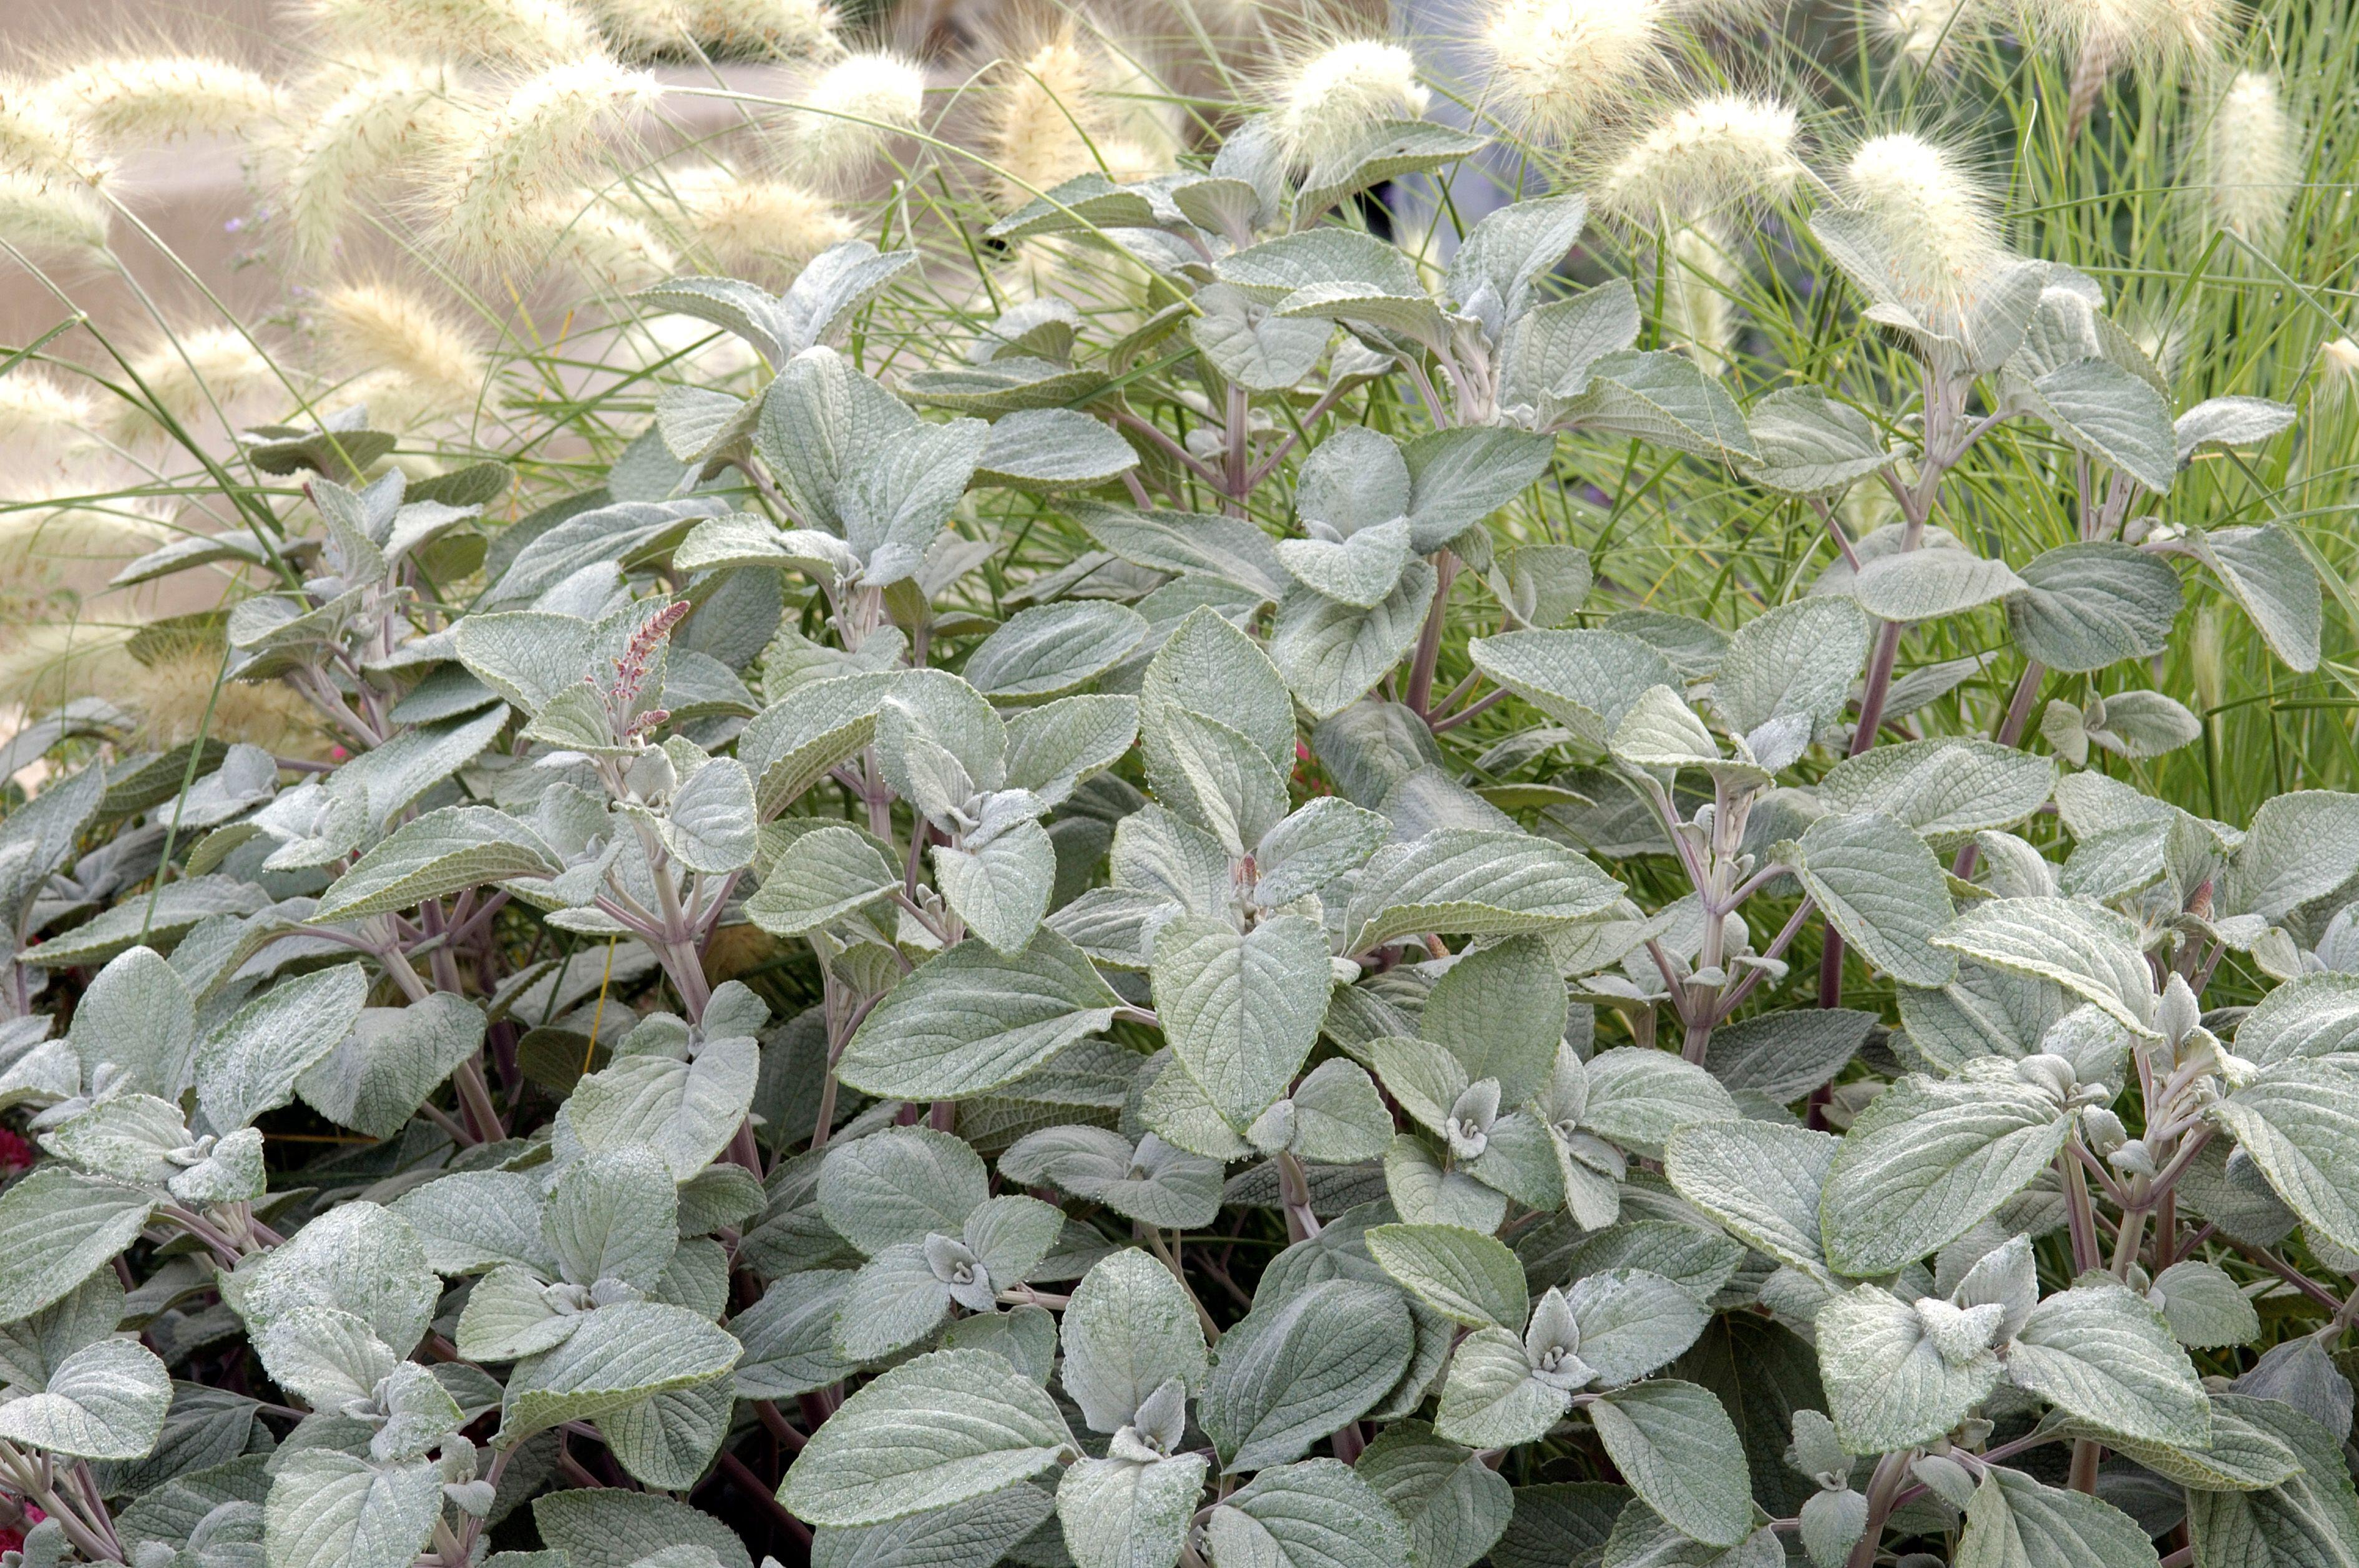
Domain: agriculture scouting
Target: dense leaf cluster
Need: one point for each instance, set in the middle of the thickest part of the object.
(1236, 1120)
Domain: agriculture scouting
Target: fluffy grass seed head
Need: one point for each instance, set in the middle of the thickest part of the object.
(519, 30)
(782, 28)
(2246, 165)
(1046, 116)
(1701, 275)
(46, 665)
(43, 547)
(504, 160)
(168, 695)
(39, 139)
(190, 377)
(847, 111)
(578, 233)
(1559, 65)
(2144, 34)
(403, 404)
(1706, 154)
(746, 223)
(1939, 226)
(1918, 30)
(682, 348)
(379, 325)
(356, 138)
(1328, 98)
(51, 217)
(2337, 369)
(130, 98)
(37, 409)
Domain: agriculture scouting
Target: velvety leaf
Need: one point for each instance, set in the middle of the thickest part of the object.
(1929, 1158)
(1882, 888)
(971, 1019)
(1293, 1370)
(1674, 1444)
(941, 1429)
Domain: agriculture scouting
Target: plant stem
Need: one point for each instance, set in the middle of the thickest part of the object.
(763, 1496)
(1169, 1253)
(1294, 1191)
(1419, 695)
(2080, 1215)
(475, 1100)
(1883, 1488)
(2086, 1452)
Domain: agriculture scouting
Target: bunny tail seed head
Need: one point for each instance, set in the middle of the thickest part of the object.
(1706, 154)
(782, 28)
(378, 326)
(170, 696)
(170, 693)
(42, 547)
(1559, 65)
(1046, 117)
(530, 31)
(1939, 226)
(46, 665)
(38, 138)
(157, 97)
(37, 408)
(2145, 34)
(2337, 369)
(1701, 275)
(506, 159)
(847, 111)
(360, 136)
(1918, 30)
(405, 404)
(768, 226)
(51, 218)
(576, 232)
(2245, 163)
(188, 378)
(1329, 97)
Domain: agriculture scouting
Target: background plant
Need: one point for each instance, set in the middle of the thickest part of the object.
(1119, 881)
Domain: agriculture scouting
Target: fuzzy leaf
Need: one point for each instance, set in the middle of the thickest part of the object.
(107, 1401)
(971, 1019)
(1882, 888)
(941, 1429)
(2104, 1353)
(1293, 1370)
(1466, 1276)
(1888, 1383)
(2015, 1522)
(1241, 1009)
(1675, 1445)
(2082, 947)
(1929, 1158)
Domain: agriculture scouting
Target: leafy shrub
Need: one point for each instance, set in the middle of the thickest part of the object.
(1114, 1033)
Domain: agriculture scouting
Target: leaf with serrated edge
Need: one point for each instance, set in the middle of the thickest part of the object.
(971, 1019)
(2014, 1521)
(1466, 1276)
(2082, 947)
(948, 1426)
(1882, 888)
(1293, 1370)
(1675, 1445)
(1929, 1158)
(1760, 1180)
(1888, 1384)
